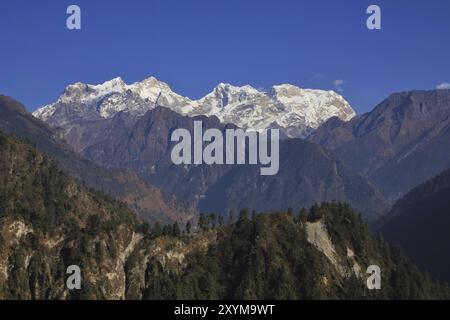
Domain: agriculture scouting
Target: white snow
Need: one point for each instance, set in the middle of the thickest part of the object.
(285, 105)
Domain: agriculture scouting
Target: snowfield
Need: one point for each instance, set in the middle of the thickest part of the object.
(293, 110)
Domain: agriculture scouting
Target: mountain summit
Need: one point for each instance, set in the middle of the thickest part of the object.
(294, 110)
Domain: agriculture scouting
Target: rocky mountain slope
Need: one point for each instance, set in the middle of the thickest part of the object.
(149, 202)
(294, 110)
(48, 222)
(403, 142)
(419, 223)
(308, 174)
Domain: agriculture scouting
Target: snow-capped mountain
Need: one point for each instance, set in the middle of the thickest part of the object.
(294, 110)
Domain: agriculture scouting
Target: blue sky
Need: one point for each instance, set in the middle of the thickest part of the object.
(195, 44)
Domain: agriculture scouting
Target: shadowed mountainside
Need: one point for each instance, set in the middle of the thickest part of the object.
(308, 173)
(419, 223)
(403, 142)
(148, 201)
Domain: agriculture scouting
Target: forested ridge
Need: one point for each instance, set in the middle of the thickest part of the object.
(48, 222)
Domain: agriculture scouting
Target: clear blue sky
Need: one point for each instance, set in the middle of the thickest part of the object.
(195, 44)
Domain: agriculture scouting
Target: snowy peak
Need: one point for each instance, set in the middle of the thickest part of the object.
(232, 90)
(231, 94)
(106, 99)
(88, 93)
(224, 95)
(150, 88)
(295, 110)
(285, 106)
(314, 105)
(115, 84)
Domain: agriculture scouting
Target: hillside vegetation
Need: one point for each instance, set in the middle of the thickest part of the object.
(48, 222)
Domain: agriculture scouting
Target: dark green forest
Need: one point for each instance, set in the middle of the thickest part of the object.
(268, 256)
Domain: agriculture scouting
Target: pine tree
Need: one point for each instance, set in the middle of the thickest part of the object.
(212, 219)
(176, 231)
(157, 230)
(202, 222)
(221, 222)
(231, 217)
(188, 227)
(243, 215)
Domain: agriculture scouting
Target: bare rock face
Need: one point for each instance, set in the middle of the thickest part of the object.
(318, 236)
(404, 141)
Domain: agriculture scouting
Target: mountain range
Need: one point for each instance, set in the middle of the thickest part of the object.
(401, 143)
(119, 142)
(308, 173)
(293, 110)
(128, 127)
